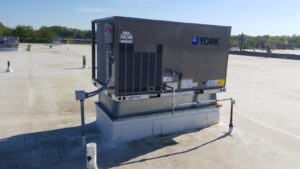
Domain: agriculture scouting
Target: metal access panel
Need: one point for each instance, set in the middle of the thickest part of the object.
(9, 42)
(139, 56)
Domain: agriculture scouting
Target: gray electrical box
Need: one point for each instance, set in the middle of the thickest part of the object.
(140, 56)
(108, 34)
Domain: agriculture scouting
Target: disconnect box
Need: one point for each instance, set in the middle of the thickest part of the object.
(139, 56)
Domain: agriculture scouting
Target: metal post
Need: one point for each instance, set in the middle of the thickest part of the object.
(93, 50)
(173, 102)
(231, 114)
(232, 102)
(81, 95)
(82, 122)
(83, 62)
(28, 48)
(242, 40)
(173, 98)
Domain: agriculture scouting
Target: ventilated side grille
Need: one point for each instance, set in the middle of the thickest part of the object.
(158, 79)
(145, 70)
(139, 72)
(122, 68)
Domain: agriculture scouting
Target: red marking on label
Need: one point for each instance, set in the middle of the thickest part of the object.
(109, 29)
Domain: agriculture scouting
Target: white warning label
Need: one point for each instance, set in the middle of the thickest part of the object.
(167, 79)
(211, 83)
(126, 37)
(188, 83)
(173, 84)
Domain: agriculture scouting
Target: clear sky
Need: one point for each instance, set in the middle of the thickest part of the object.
(253, 17)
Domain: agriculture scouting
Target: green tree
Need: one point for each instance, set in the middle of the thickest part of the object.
(25, 33)
(2, 27)
(4, 31)
(44, 34)
(234, 41)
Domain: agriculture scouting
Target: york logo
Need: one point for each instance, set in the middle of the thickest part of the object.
(207, 41)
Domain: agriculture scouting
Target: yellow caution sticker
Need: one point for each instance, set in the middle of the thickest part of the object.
(221, 82)
(215, 83)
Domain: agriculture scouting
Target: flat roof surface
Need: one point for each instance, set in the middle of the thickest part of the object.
(40, 117)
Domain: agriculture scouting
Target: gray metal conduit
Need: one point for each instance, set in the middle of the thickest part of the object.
(81, 95)
(232, 102)
(173, 98)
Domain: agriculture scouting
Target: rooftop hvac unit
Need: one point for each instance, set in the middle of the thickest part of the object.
(9, 43)
(150, 59)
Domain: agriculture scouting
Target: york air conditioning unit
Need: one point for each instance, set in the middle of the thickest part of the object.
(152, 68)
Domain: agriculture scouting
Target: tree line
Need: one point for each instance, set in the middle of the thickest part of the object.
(265, 41)
(47, 34)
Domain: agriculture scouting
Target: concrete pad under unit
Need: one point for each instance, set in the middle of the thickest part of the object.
(139, 127)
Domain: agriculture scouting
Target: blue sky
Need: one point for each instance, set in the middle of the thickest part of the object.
(253, 17)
